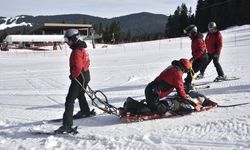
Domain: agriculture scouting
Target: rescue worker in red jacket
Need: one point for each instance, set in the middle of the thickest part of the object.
(199, 56)
(166, 82)
(79, 73)
(214, 45)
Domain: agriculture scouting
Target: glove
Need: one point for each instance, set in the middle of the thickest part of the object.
(71, 78)
(191, 60)
(216, 56)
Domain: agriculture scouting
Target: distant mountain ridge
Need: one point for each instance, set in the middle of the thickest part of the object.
(139, 23)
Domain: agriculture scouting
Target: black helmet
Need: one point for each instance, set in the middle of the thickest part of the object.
(211, 25)
(190, 29)
(71, 35)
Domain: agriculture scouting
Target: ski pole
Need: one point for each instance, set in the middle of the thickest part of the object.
(233, 105)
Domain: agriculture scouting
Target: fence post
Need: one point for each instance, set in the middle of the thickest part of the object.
(181, 42)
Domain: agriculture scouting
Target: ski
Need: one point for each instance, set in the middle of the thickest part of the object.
(209, 82)
(201, 83)
(200, 87)
(61, 119)
(91, 114)
(233, 105)
(227, 79)
(37, 132)
(42, 132)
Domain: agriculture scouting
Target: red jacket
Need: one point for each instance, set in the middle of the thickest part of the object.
(214, 43)
(79, 61)
(198, 46)
(173, 76)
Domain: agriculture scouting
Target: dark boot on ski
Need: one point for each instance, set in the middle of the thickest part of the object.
(199, 76)
(81, 114)
(220, 78)
(66, 129)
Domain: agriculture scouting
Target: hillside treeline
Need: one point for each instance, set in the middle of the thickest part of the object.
(225, 13)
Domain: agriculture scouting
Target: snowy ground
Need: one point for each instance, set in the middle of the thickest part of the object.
(33, 86)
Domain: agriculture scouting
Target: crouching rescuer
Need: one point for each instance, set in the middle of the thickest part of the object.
(79, 73)
(165, 83)
(157, 96)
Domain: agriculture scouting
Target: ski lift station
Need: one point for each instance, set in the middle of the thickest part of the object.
(48, 34)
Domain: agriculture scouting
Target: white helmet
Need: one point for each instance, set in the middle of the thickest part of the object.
(71, 35)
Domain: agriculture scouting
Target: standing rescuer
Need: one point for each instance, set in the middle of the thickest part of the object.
(79, 73)
(214, 43)
(199, 56)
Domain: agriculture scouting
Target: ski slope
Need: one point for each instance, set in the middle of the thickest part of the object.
(33, 86)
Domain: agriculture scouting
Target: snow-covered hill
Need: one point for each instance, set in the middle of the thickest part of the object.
(139, 23)
(9, 22)
(33, 86)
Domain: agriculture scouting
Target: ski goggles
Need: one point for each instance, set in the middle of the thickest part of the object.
(73, 38)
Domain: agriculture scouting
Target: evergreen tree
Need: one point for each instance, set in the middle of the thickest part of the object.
(243, 16)
(129, 36)
(106, 36)
(184, 20)
(115, 29)
(225, 13)
(202, 15)
(177, 22)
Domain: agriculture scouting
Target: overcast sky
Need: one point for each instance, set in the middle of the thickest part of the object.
(100, 8)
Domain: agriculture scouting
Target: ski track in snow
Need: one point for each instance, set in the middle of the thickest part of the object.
(33, 86)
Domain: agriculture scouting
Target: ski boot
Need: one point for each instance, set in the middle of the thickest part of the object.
(81, 114)
(66, 129)
(208, 102)
(220, 78)
(199, 76)
(121, 112)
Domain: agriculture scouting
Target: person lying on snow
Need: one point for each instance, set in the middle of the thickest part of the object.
(172, 104)
(164, 84)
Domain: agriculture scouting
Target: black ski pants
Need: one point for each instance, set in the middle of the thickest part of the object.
(196, 65)
(151, 93)
(216, 64)
(75, 92)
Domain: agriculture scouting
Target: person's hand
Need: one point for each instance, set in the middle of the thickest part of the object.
(194, 102)
(198, 107)
(216, 56)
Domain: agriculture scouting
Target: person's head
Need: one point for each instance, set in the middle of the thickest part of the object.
(190, 30)
(186, 64)
(71, 36)
(212, 27)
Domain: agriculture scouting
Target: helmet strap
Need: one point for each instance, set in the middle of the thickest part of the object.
(192, 72)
